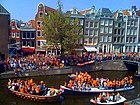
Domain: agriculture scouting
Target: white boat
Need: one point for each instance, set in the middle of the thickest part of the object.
(67, 90)
(97, 102)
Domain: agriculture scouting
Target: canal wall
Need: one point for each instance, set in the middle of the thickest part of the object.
(118, 65)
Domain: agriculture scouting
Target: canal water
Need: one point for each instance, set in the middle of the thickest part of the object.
(8, 99)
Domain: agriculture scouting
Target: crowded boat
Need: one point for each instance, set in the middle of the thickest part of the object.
(84, 83)
(28, 89)
(108, 99)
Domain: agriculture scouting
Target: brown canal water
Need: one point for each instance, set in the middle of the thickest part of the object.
(8, 99)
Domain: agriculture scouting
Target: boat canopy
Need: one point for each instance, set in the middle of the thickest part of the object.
(90, 48)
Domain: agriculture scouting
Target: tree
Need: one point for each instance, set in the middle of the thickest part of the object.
(59, 29)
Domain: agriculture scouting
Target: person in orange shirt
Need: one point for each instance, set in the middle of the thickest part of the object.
(21, 89)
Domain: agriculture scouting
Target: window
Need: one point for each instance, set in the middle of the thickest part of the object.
(119, 25)
(118, 40)
(87, 24)
(135, 32)
(13, 35)
(38, 24)
(90, 40)
(118, 31)
(102, 22)
(32, 35)
(116, 24)
(102, 30)
(95, 41)
(106, 29)
(40, 14)
(86, 31)
(110, 30)
(96, 24)
(122, 40)
(38, 33)
(122, 33)
(17, 35)
(38, 43)
(115, 31)
(81, 22)
(106, 23)
(131, 31)
(105, 38)
(135, 40)
(128, 32)
(131, 40)
(127, 39)
(24, 35)
(101, 38)
(13, 27)
(91, 24)
(28, 35)
(24, 43)
(115, 39)
(91, 32)
(110, 22)
(126, 48)
(96, 32)
(130, 48)
(109, 38)
(32, 44)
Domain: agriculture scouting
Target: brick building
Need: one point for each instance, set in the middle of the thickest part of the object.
(4, 32)
(40, 40)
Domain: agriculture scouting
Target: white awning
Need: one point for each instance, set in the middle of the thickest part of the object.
(90, 48)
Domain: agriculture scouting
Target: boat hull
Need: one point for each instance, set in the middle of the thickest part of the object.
(37, 98)
(93, 90)
(97, 102)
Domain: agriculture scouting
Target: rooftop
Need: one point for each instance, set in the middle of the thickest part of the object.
(3, 10)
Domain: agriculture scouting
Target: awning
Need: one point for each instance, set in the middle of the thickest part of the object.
(90, 48)
(28, 49)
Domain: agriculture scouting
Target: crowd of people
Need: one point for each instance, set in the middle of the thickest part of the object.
(84, 81)
(29, 87)
(109, 97)
(46, 61)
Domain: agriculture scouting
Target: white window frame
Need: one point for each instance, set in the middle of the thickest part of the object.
(101, 29)
(102, 22)
(37, 33)
(13, 34)
(110, 30)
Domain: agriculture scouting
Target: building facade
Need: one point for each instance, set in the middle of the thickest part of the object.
(28, 40)
(119, 32)
(131, 30)
(40, 40)
(4, 32)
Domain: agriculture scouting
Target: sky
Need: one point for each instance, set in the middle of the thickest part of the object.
(25, 10)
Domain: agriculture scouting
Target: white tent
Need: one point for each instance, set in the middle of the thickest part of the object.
(90, 48)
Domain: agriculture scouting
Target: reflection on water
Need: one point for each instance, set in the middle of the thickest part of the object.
(8, 99)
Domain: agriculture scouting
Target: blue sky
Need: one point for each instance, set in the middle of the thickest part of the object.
(26, 9)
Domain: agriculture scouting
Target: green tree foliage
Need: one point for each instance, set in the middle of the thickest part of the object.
(60, 29)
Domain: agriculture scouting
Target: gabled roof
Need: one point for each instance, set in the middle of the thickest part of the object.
(3, 10)
(85, 11)
(126, 12)
(105, 12)
(32, 23)
(49, 9)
